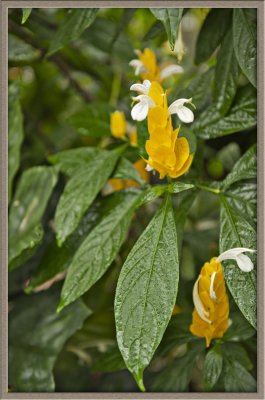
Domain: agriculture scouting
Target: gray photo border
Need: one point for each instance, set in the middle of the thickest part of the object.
(4, 5)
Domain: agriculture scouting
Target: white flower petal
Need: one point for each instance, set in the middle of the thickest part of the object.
(243, 261)
(139, 87)
(185, 115)
(198, 303)
(138, 65)
(171, 70)
(139, 111)
(212, 292)
(147, 83)
(146, 99)
(148, 167)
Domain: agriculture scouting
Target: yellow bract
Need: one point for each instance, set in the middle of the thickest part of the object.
(152, 71)
(214, 300)
(168, 154)
(118, 124)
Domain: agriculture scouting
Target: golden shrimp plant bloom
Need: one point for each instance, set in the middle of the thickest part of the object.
(210, 316)
(168, 154)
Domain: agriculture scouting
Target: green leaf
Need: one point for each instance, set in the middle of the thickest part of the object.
(15, 133)
(237, 378)
(243, 199)
(177, 333)
(239, 330)
(245, 168)
(25, 14)
(212, 367)
(236, 352)
(146, 291)
(235, 231)
(126, 170)
(70, 161)
(242, 116)
(226, 75)
(20, 51)
(109, 361)
(170, 17)
(27, 209)
(99, 249)
(56, 260)
(80, 191)
(36, 337)
(76, 21)
(184, 204)
(92, 120)
(156, 191)
(212, 32)
(245, 41)
(176, 377)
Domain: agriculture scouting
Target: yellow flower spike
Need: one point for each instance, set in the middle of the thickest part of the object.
(210, 316)
(133, 137)
(118, 124)
(157, 94)
(148, 59)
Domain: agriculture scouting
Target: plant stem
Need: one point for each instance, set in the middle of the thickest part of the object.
(208, 189)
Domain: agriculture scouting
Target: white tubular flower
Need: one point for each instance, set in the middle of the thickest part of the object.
(212, 292)
(140, 110)
(171, 70)
(243, 261)
(141, 87)
(138, 66)
(198, 303)
(184, 113)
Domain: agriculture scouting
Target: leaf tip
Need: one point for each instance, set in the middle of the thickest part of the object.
(61, 305)
(138, 376)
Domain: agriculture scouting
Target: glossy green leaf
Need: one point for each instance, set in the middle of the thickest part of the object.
(235, 231)
(27, 209)
(126, 170)
(20, 51)
(156, 191)
(226, 75)
(212, 367)
(242, 116)
(240, 329)
(56, 260)
(146, 291)
(214, 28)
(245, 41)
(15, 133)
(237, 378)
(170, 17)
(36, 337)
(176, 377)
(99, 249)
(70, 161)
(92, 120)
(76, 21)
(242, 197)
(245, 168)
(25, 14)
(81, 190)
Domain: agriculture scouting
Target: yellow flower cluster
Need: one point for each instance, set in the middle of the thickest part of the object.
(168, 154)
(210, 316)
